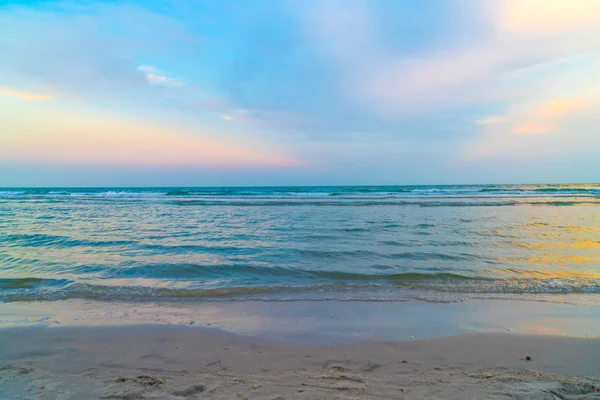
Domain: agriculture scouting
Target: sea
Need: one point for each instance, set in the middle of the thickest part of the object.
(446, 243)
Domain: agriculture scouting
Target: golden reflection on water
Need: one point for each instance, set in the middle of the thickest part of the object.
(587, 244)
(590, 244)
(553, 244)
(558, 274)
(556, 259)
(160, 244)
(560, 259)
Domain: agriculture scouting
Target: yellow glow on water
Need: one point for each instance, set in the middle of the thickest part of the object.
(573, 228)
(587, 244)
(561, 274)
(553, 273)
(590, 244)
(553, 258)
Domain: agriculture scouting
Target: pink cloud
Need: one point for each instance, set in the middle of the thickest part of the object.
(82, 139)
(556, 125)
(24, 95)
(548, 116)
(467, 73)
(551, 16)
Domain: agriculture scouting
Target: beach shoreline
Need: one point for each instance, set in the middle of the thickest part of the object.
(81, 349)
(322, 322)
(175, 362)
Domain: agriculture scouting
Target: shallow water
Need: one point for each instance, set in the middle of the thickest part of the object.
(437, 243)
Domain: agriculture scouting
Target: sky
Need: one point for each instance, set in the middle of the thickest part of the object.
(281, 92)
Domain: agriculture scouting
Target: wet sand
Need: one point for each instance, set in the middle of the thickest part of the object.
(322, 322)
(177, 362)
(81, 349)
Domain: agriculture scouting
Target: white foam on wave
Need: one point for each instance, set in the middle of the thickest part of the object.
(316, 193)
(10, 193)
(123, 194)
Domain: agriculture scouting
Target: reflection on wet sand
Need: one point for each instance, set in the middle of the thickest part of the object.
(332, 321)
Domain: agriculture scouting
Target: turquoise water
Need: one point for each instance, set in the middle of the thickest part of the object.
(436, 243)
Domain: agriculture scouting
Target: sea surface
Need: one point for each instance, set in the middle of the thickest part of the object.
(369, 243)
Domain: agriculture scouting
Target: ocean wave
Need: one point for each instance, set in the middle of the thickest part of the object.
(124, 194)
(248, 273)
(466, 191)
(408, 286)
(31, 283)
(350, 202)
(55, 241)
(11, 194)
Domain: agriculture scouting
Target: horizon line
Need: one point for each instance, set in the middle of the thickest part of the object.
(289, 186)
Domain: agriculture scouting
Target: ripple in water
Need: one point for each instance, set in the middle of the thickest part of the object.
(442, 243)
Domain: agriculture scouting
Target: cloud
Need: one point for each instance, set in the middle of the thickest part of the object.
(331, 65)
(551, 16)
(156, 77)
(477, 75)
(540, 128)
(548, 116)
(474, 70)
(388, 83)
(83, 50)
(58, 137)
(238, 115)
(301, 73)
(495, 119)
(24, 95)
(277, 121)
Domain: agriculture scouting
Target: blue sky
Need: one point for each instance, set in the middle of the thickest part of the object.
(299, 92)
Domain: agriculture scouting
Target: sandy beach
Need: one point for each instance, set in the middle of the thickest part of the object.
(176, 362)
(300, 200)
